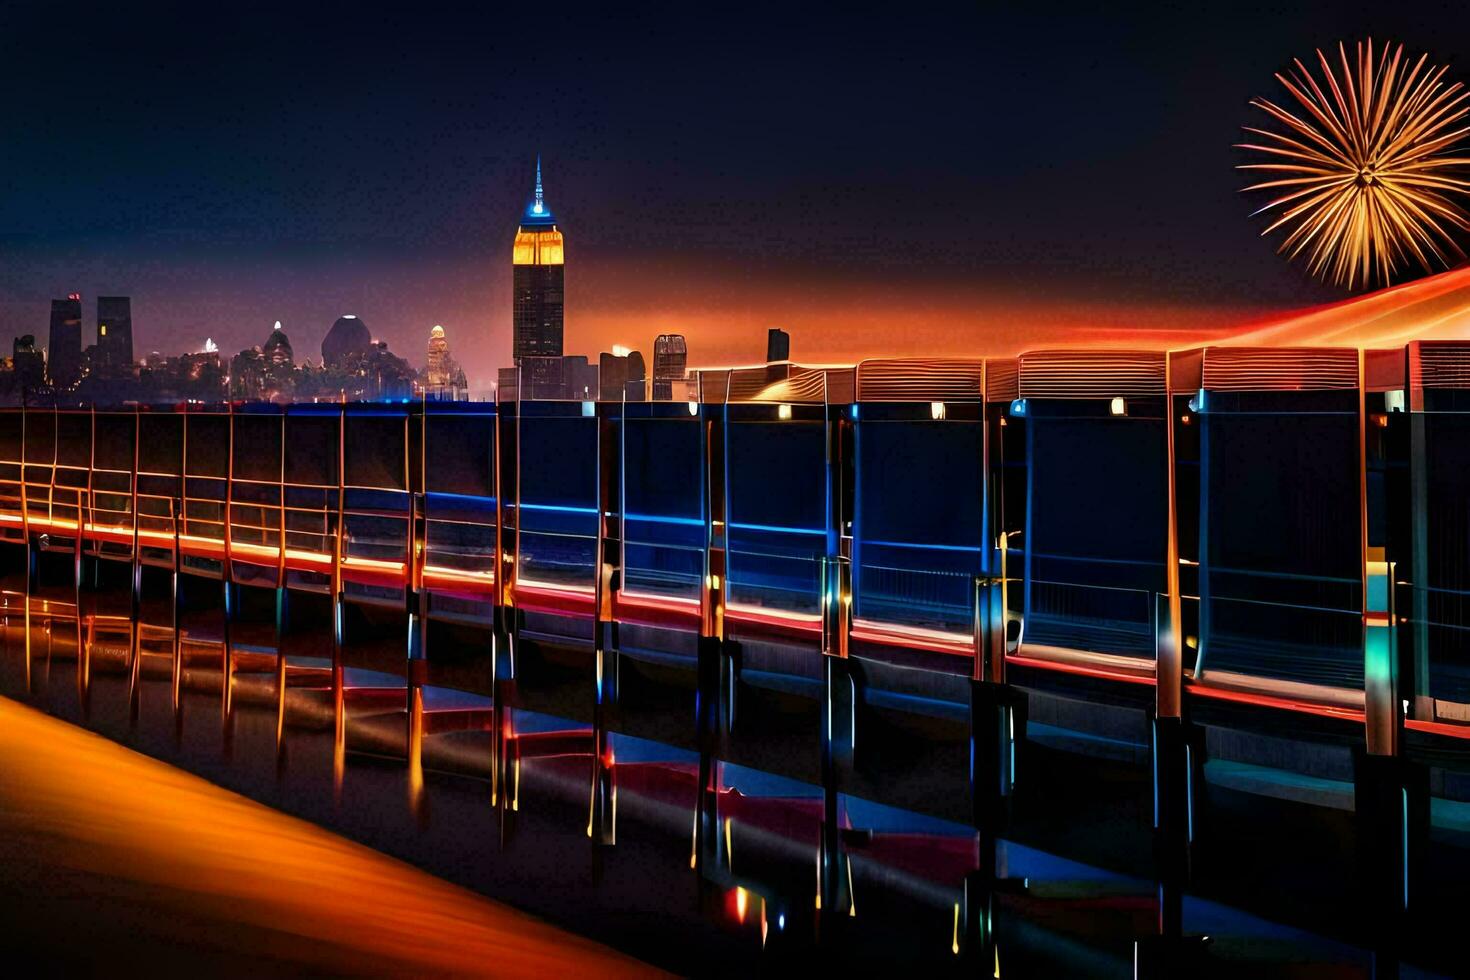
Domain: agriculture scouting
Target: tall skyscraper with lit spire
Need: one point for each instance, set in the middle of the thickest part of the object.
(539, 281)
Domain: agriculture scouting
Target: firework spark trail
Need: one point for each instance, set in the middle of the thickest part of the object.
(1366, 179)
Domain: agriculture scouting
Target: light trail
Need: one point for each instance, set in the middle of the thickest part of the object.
(156, 847)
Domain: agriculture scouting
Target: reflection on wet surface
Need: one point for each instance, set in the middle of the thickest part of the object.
(113, 860)
(625, 824)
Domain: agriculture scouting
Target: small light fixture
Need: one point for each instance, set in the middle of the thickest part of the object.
(589, 409)
(694, 408)
(1018, 407)
(783, 412)
(1118, 407)
(936, 411)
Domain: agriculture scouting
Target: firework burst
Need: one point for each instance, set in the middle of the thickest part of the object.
(1364, 173)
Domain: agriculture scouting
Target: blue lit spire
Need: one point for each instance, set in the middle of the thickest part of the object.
(538, 215)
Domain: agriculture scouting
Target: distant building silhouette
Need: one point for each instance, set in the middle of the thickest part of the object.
(64, 345)
(386, 374)
(612, 375)
(636, 384)
(279, 362)
(538, 285)
(28, 362)
(580, 377)
(670, 361)
(247, 375)
(778, 345)
(543, 377)
(622, 376)
(114, 354)
(349, 338)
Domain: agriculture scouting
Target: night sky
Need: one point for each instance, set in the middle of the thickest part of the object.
(892, 179)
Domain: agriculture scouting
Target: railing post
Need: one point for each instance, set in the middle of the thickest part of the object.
(84, 508)
(839, 689)
(711, 651)
(231, 598)
(281, 606)
(176, 584)
(415, 480)
(1391, 799)
(1380, 667)
(25, 531)
(505, 626)
(1172, 755)
(996, 709)
(180, 528)
(339, 676)
(135, 569)
(611, 419)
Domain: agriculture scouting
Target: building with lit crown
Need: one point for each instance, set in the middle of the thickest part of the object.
(440, 367)
(349, 340)
(538, 285)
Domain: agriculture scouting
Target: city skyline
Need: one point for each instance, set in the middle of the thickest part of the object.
(840, 215)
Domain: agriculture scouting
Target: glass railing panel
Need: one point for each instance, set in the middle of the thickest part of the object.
(118, 434)
(376, 448)
(1437, 603)
(460, 534)
(778, 499)
(1097, 524)
(776, 568)
(663, 501)
(897, 591)
(1097, 619)
(310, 519)
(1281, 565)
(918, 538)
(313, 445)
(375, 530)
(557, 515)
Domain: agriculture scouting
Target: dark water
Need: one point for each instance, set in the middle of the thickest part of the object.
(598, 823)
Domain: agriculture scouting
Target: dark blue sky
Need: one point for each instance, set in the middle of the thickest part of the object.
(715, 168)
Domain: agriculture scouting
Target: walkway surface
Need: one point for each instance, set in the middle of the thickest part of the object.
(112, 861)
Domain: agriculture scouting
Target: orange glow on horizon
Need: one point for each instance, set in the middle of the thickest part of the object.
(847, 325)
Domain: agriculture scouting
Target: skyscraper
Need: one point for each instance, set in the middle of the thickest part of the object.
(346, 343)
(114, 334)
(440, 366)
(670, 359)
(778, 345)
(538, 282)
(29, 363)
(280, 360)
(64, 346)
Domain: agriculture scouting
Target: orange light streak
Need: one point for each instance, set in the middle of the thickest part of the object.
(327, 903)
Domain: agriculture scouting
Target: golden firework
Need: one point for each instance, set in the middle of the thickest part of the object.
(1366, 176)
